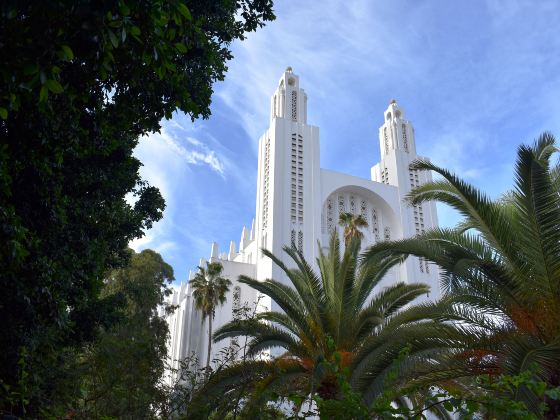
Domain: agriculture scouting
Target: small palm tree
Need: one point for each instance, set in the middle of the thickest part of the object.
(352, 224)
(501, 265)
(334, 317)
(209, 291)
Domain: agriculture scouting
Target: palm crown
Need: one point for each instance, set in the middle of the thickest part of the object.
(501, 265)
(352, 224)
(333, 316)
(209, 291)
(209, 288)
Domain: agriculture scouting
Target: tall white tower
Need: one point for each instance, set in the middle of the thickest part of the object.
(398, 150)
(288, 175)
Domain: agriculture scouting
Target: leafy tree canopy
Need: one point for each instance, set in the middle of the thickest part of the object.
(79, 83)
(124, 366)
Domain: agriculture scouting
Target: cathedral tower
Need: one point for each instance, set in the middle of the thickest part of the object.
(300, 203)
(287, 175)
(398, 150)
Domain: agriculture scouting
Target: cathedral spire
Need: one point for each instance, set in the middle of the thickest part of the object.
(244, 239)
(232, 251)
(214, 250)
(252, 234)
(396, 133)
(289, 101)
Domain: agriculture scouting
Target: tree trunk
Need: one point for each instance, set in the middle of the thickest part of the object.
(209, 343)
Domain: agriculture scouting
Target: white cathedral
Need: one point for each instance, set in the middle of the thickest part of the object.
(299, 202)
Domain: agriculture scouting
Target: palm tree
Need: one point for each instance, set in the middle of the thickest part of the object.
(501, 265)
(333, 317)
(352, 224)
(209, 291)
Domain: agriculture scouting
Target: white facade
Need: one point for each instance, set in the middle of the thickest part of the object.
(298, 201)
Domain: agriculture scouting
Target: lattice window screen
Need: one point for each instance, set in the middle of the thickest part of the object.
(375, 224)
(330, 215)
(386, 140)
(294, 105)
(352, 204)
(404, 137)
(387, 233)
(266, 183)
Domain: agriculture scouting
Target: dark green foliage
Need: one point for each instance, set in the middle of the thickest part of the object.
(494, 397)
(124, 366)
(79, 83)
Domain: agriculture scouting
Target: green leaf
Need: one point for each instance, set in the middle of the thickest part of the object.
(30, 69)
(553, 393)
(43, 94)
(54, 86)
(184, 10)
(3, 113)
(170, 66)
(182, 48)
(125, 10)
(113, 38)
(68, 53)
(135, 30)
(472, 406)
(448, 405)
(539, 388)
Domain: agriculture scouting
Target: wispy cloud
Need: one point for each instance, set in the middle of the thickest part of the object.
(194, 157)
(168, 158)
(474, 81)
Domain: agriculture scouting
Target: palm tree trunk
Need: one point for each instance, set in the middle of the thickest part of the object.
(209, 343)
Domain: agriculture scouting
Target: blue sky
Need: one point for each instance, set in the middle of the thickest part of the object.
(475, 78)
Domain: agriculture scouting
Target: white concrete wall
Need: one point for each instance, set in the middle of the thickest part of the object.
(184, 330)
